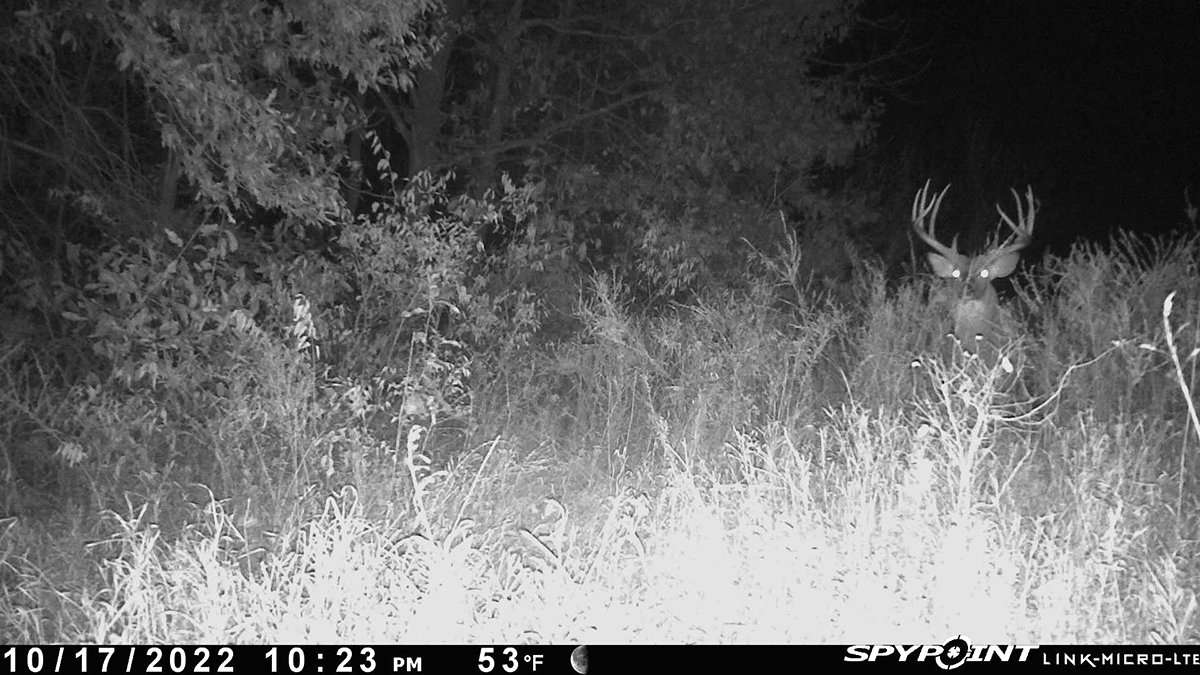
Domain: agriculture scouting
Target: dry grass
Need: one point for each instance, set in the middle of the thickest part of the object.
(734, 473)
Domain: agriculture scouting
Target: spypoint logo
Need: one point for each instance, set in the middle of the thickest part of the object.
(947, 656)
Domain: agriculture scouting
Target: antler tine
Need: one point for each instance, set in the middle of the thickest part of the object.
(1023, 228)
(924, 207)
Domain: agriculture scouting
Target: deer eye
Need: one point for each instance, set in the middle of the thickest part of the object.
(984, 273)
(957, 273)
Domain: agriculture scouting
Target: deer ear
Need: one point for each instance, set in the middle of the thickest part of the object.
(943, 267)
(1002, 266)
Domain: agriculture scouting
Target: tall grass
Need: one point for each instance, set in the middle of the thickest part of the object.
(734, 470)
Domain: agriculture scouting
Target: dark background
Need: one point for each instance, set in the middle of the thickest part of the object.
(1094, 104)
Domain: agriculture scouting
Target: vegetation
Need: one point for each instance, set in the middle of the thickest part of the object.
(414, 322)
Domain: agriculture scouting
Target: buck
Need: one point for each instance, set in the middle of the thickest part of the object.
(979, 320)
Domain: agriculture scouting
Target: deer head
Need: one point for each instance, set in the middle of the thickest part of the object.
(978, 318)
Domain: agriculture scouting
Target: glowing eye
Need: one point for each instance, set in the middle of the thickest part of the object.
(957, 273)
(983, 273)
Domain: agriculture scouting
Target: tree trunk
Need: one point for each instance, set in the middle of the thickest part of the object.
(425, 122)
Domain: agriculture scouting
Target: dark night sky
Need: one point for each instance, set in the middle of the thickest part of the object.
(1096, 104)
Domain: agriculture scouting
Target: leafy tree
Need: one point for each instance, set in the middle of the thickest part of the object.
(666, 130)
(111, 108)
(258, 97)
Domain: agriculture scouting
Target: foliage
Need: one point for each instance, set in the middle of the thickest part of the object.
(753, 119)
(159, 314)
(252, 102)
(1104, 309)
(260, 107)
(257, 98)
(665, 132)
(76, 145)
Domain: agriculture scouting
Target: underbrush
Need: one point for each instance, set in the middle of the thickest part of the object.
(733, 471)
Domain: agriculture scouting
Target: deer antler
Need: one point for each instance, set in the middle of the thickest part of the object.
(924, 207)
(1022, 229)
